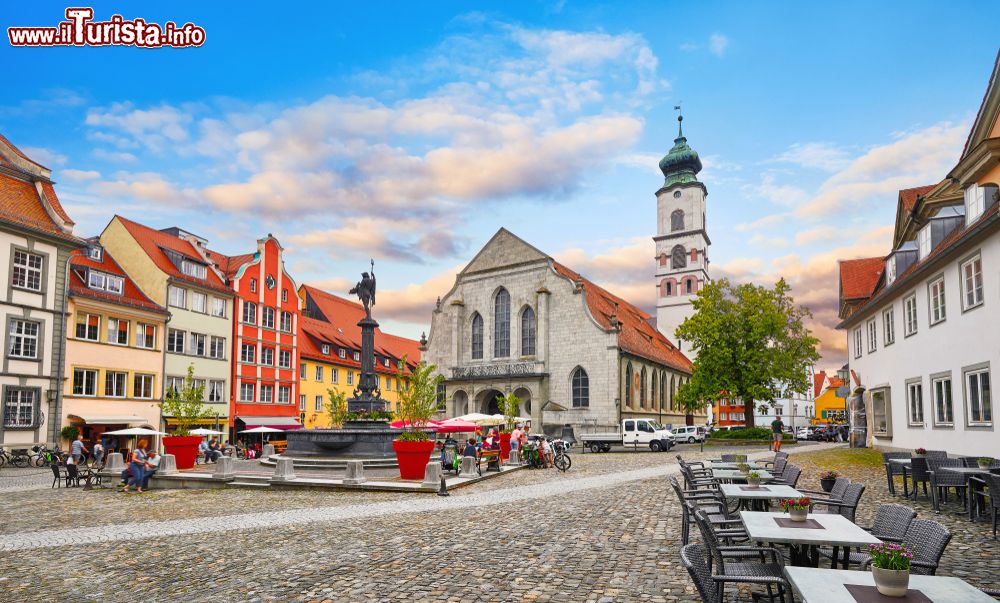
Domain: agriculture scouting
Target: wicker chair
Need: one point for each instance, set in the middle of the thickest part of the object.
(919, 475)
(942, 480)
(848, 505)
(927, 540)
(993, 483)
(893, 469)
(742, 564)
(690, 499)
(836, 493)
(779, 466)
(777, 456)
(789, 477)
(936, 454)
(734, 458)
(891, 523)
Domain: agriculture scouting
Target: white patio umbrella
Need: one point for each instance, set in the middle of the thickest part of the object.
(135, 432)
(202, 431)
(262, 430)
(477, 418)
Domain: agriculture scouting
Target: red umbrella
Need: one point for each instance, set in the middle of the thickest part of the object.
(400, 424)
(456, 426)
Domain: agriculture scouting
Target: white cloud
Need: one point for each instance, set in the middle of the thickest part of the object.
(46, 157)
(819, 234)
(79, 175)
(114, 156)
(717, 44)
(143, 186)
(155, 128)
(817, 155)
(762, 223)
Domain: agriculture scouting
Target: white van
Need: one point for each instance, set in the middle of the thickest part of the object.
(689, 434)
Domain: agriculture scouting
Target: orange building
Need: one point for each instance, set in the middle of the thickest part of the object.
(265, 338)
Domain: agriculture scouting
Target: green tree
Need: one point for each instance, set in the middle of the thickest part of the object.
(509, 405)
(185, 405)
(417, 402)
(336, 407)
(751, 344)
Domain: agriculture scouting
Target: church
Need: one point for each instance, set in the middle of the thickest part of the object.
(516, 320)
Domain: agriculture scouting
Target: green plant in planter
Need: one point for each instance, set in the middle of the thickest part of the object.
(890, 556)
(69, 432)
(828, 475)
(509, 406)
(185, 404)
(417, 400)
(336, 407)
(984, 462)
(743, 467)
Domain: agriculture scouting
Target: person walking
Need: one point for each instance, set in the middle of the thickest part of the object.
(99, 454)
(77, 449)
(777, 429)
(137, 467)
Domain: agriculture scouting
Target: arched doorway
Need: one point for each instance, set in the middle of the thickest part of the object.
(525, 395)
(461, 403)
(488, 401)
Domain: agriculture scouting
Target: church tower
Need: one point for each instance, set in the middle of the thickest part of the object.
(681, 237)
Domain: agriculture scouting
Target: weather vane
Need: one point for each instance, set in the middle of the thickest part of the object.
(680, 118)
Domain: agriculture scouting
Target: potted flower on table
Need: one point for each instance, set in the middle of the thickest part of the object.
(920, 452)
(753, 479)
(797, 508)
(743, 468)
(891, 568)
(416, 404)
(984, 462)
(827, 479)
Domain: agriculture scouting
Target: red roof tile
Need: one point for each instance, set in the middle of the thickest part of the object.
(229, 264)
(131, 295)
(153, 242)
(859, 277)
(836, 382)
(908, 196)
(21, 204)
(19, 152)
(637, 336)
(818, 380)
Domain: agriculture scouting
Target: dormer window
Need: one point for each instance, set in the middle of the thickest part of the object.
(924, 241)
(105, 282)
(193, 269)
(977, 200)
(342, 353)
(890, 271)
(326, 350)
(95, 253)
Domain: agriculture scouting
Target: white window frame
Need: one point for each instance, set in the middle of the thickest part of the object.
(267, 317)
(325, 349)
(979, 376)
(219, 307)
(972, 284)
(216, 390)
(910, 320)
(87, 327)
(302, 402)
(175, 335)
(248, 353)
(147, 382)
(872, 336)
(319, 373)
(199, 302)
(217, 348)
(284, 359)
(937, 303)
(143, 340)
(886, 403)
(249, 313)
(975, 202)
(858, 344)
(284, 394)
(350, 377)
(342, 353)
(96, 280)
(115, 331)
(90, 392)
(318, 403)
(111, 378)
(267, 356)
(286, 322)
(266, 394)
(26, 274)
(177, 296)
(16, 401)
(191, 268)
(889, 326)
(357, 356)
(915, 403)
(95, 253)
(924, 241)
(246, 388)
(334, 372)
(303, 371)
(946, 391)
(199, 340)
(22, 336)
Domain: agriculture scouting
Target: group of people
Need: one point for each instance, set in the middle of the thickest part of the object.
(142, 465)
(519, 441)
(211, 449)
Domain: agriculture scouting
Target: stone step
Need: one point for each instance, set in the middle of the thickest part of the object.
(243, 484)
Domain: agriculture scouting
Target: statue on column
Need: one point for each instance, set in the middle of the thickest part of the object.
(365, 290)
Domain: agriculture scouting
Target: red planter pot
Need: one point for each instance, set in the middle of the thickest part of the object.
(184, 449)
(504, 447)
(412, 457)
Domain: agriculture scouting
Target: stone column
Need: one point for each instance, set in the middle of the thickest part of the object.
(355, 473)
(542, 354)
(468, 468)
(432, 475)
(115, 463)
(224, 468)
(268, 451)
(168, 465)
(284, 471)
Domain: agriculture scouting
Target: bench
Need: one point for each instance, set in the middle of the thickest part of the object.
(491, 458)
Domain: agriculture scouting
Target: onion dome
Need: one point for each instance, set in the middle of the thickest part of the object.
(681, 164)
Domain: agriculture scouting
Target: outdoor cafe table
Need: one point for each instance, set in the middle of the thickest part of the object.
(733, 475)
(904, 464)
(816, 585)
(758, 497)
(835, 530)
(968, 472)
(728, 465)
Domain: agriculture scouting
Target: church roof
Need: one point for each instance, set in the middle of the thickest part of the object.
(27, 197)
(681, 164)
(131, 296)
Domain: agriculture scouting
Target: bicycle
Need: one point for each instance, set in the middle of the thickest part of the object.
(562, 460)
(19, 457)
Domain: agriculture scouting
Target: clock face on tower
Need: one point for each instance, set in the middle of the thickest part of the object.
(677, 194)
(270, 282)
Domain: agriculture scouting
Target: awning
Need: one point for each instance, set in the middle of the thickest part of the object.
(285, 423)
(110, 419)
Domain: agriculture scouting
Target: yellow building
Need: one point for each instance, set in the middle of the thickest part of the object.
(330, 354)
(829, 407)
(114, 348)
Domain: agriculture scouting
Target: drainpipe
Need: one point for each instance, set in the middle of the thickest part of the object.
(55, 415)
(163, 364)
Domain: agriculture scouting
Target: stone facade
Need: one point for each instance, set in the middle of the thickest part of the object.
(481, 340)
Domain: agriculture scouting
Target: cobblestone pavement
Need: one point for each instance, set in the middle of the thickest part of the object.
(606, 531)
(17, 479)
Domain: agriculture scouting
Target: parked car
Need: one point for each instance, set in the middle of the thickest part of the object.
(633, 432)
(803, 433)
(689, 434)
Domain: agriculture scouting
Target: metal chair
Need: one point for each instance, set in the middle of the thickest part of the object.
(890, 525)
(694, 498)
(993, 483)
(734, 458)
(927, 541)
(789, 477)
(919, 475)
(779, 466)
(940, 481)
(57, 476)
(936, 454)
(742, 564)
(893, 469)
(836, 493)
(848, 505)
(695, 559)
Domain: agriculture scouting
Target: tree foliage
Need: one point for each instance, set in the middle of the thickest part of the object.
(185, 405)
(751, 344)
(336, 407)
(509, 405)
(416, 401)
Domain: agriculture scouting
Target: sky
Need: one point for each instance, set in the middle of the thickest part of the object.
(411, 132)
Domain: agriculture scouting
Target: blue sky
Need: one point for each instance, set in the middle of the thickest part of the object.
(430, 125)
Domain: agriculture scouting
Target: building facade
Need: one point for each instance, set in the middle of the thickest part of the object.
(681, 237)
(171, 267)
(921, 324)
(830, 406)
(114, 348)
(330, 354)
(518, 321)
(36, 239)
(265, 338)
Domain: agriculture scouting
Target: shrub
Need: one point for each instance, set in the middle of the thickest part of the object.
(754, 433)
(69, 432)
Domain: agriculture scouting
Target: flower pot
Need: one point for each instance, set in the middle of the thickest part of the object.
(891, 583)
(753, 482)
(412, 457)
(504, 446)
(827, 483)
(184, 449)
(798, 514)
(984, 466)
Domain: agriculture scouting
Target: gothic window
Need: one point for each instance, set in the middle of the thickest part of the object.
(678, 257)
(652, 392)
(677, 220)
(642, 388)
(528, 332)
(628, 385)
(501, 324)
(581, 388)
(689, 285)
(673, 392)
(477, 336)
(668, 288)
(663, 390)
